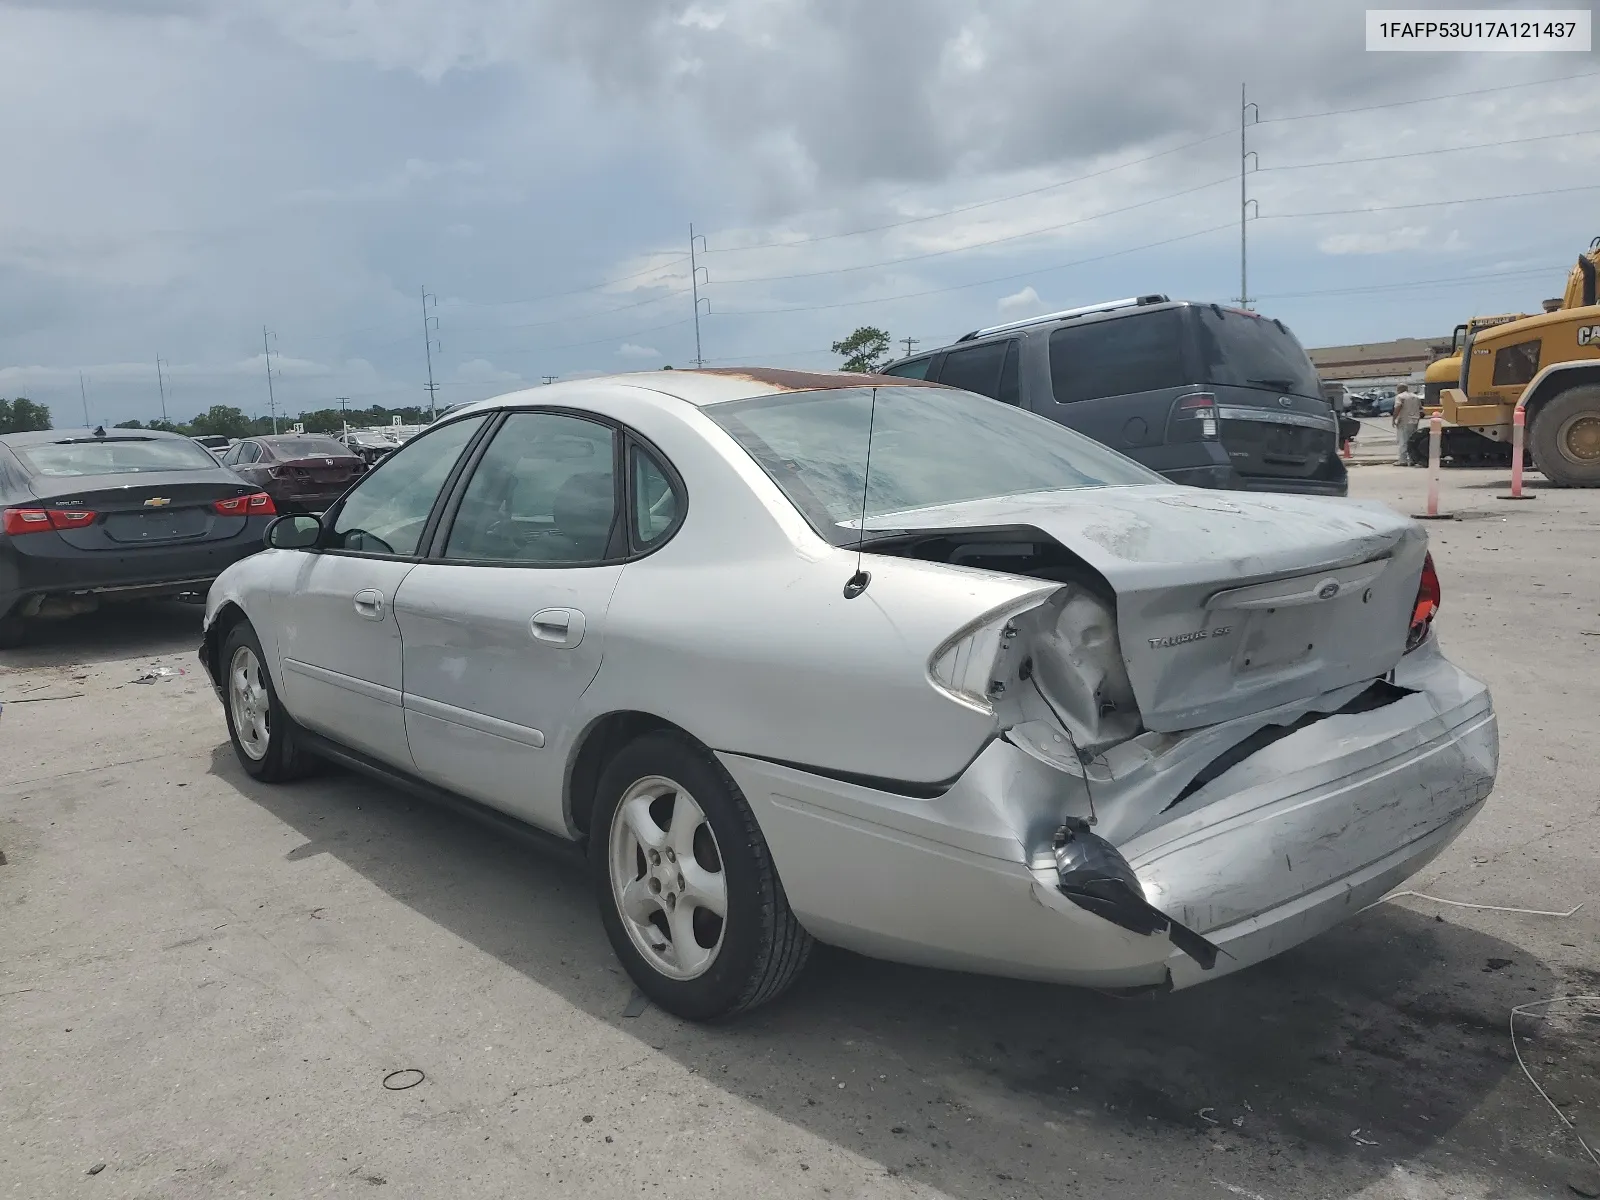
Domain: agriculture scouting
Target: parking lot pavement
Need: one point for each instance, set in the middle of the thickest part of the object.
(206, 981)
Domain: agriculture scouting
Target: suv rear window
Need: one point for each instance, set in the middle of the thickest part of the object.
(1245, 350)
(113, 456)
(1141, 352)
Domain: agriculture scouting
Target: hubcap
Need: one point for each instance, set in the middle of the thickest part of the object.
(1580, 438)
(667, 878)
(248, 701)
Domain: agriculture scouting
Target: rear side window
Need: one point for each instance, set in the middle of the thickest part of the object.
(977, 369)
(917, 368)
(115, 456)
(1242, 349)
(1117, 357)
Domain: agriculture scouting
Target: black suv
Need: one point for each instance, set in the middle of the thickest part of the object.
(1207, 395)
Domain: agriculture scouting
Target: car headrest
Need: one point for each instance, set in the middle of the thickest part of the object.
(585, 506)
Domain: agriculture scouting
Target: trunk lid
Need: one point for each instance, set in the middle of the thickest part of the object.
(1226, 603)
(322, 469)
(145, 508)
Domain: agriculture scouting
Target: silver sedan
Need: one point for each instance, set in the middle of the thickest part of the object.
(871, 662)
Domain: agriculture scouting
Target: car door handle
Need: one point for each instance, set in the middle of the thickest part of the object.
(558, 626)
(369, 604)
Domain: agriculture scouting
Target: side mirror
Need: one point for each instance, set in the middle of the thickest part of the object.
(298, 532)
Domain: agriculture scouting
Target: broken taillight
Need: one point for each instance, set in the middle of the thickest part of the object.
(1426, 606)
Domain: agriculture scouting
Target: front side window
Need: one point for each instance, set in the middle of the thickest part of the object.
(388, 510)
(1118, 356)
(115, 456)
(544, 493)
(930, 446)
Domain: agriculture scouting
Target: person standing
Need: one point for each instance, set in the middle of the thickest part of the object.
(1407, 414)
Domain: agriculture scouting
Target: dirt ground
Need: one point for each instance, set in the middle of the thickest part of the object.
(205, 982)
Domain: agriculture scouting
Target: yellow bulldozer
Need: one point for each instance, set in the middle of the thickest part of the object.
(1549, 363)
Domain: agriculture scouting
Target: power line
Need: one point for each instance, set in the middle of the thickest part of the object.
(1415, 283)
(949, 212)
(1033, 271)
(1010, 237)
(1504, 87)
(1344, 212)
(1345, 162)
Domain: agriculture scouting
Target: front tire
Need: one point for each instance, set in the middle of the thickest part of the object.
(687, 889)
(1566, 437)
(265, 738)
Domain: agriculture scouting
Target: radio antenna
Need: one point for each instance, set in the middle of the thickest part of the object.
(857, 583)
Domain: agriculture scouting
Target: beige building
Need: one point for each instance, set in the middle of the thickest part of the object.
(1404, 358)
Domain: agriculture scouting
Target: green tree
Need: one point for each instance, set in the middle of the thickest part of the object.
(865, 350)
(221, 420)
(168, 427)
(129, 425)
(22, 416)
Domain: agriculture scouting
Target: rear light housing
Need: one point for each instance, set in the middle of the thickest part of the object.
(967, 666)
(1193, 418)
(18, 521)
(1426, 606)
(255, 504)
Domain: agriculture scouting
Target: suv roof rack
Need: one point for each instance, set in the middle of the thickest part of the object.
(1105, 306)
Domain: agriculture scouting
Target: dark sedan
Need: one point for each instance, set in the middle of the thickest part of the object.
(88, 516)
(302, 472)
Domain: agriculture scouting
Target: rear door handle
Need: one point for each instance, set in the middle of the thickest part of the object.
(369, 604)
(561, 627)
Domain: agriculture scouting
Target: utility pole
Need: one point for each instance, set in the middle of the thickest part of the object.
(694, 287)
(1244, 204)
(162, 384)
(344, 419)
(272, 400)
(910, 342)
(549, 379)
(83, 393)
(428, 346)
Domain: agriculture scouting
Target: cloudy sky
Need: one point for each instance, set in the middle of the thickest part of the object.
(179, 174)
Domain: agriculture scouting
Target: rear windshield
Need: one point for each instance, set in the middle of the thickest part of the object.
(115, 456)
(930, 446)
(1246, 350)
(307, 447)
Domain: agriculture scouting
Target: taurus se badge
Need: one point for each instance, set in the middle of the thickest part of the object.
(1180, 639)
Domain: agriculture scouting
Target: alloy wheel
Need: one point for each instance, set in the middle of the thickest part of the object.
(250, 704)
(667, 877)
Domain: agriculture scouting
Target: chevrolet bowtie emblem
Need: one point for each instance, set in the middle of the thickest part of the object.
(156, 502)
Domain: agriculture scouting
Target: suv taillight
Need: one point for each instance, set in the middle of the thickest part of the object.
(1193, 419)
(257, 504)
(17, 521)
(1427, 604)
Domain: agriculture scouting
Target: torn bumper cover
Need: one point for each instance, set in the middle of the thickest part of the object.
(1272, 850)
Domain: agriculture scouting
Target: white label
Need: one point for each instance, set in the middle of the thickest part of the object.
(1510, 29)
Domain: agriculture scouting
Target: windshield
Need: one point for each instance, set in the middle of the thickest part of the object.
(116, 456)
(307, 447)
(930, 446)
(1246, 350)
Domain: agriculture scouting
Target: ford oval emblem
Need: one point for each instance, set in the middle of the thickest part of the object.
(1285, 401)
(1328, 590)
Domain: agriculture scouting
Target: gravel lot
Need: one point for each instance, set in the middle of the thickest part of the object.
(205, 982)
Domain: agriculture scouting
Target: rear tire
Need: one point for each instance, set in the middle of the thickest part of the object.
(265, 738)
(668, 815)
(1565, 438)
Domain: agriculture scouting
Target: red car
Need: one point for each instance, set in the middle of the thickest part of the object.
(302, 472)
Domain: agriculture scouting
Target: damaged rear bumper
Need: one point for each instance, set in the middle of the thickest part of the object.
(1274, 849)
